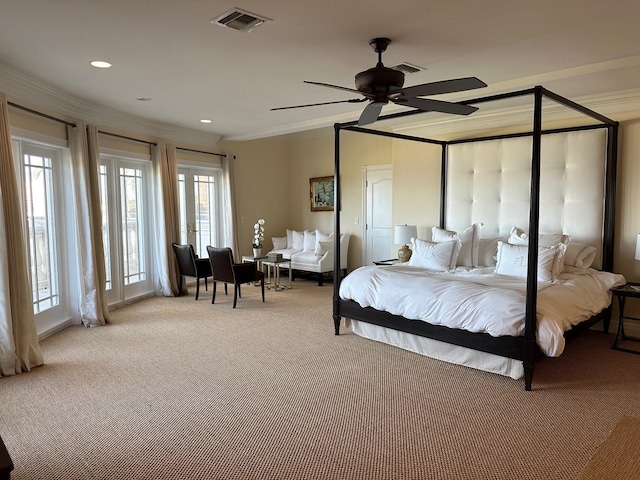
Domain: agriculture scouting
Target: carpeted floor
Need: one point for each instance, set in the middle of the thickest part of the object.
(619, 455)
(179, 389)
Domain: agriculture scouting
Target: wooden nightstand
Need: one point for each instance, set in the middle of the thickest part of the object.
(630, 290)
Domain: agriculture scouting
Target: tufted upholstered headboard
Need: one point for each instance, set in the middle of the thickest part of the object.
(489, 182)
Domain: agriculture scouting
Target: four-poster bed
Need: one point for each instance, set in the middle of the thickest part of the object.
(565, 196)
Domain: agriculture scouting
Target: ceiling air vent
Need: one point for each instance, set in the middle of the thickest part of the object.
(240, 20)
(407, 68)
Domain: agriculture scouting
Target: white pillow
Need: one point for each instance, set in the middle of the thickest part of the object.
(468, 256)
(519, 237)
(487, 251)
(309, 241)
(512, 261)
(323, 237)
(579, 255)
(434, 256)
(289, 238)
(297, 240)
(322, 248)
(279, 243)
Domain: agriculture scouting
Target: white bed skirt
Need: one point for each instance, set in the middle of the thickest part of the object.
(446, 352)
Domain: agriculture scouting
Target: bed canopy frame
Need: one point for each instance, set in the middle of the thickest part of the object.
(524, 347)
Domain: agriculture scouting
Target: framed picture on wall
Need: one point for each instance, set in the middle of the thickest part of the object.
(321, 193)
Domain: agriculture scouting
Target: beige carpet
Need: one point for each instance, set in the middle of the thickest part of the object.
(619, 455)
(179, 389)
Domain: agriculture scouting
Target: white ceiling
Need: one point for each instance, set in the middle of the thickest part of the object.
(168, 50)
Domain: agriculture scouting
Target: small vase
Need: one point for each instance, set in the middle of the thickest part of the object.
(257, 252)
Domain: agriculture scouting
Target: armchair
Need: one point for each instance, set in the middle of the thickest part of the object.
(191, 266)
(226, 271)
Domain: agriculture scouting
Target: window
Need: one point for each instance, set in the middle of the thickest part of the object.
(199, 197)
(41, 186)
(125, 201)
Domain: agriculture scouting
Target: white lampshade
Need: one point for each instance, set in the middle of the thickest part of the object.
(637, 247)
(404, 233)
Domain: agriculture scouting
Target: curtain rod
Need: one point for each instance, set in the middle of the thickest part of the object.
(40, 114)
(71, 124)
(155, 144)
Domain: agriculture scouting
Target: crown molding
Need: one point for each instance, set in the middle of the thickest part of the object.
(22, 87)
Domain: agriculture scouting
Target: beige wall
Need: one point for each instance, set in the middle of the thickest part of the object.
(262, 180)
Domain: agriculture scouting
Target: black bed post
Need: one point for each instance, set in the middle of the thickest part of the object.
(336, 217)
(443, 184)
(532, 259)
(610, 197)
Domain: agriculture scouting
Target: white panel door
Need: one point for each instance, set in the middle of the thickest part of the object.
(378, 226)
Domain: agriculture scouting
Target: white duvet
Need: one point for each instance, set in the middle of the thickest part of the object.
(479, 301)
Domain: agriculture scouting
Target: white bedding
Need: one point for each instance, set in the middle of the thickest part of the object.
(477, 300)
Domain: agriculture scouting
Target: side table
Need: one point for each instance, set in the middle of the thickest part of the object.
(630, 290)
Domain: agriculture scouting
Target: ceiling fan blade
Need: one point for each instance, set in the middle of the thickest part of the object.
(370, 113)
(444, 86)
(430, 105)
(335, 86)
(352, 100)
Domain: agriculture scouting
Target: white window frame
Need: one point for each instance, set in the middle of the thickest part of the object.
(51, 319)
(121, 293)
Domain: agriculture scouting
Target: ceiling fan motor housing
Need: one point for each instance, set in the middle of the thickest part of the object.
(379, 81)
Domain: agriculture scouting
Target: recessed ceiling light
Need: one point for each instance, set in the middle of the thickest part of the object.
(204, 120)
(143, 99)
(100, 64)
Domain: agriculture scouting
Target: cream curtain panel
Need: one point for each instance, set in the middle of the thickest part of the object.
(229, 205)
(19, 347)
(167, 219)
(85, 160)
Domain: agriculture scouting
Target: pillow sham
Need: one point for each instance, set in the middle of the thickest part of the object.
(289, 238)
(519, 237)
(323, 247)
(323, 237)
(309, 241)
(279, 243)
(512, 261)
(434, 256)
(487, 251)
(468, 255)
(297, 240)
(579, 255)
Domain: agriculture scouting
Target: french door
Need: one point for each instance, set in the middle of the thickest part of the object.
(126, 224)
(199, 204)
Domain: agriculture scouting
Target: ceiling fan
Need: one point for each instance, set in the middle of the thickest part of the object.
(381, 85)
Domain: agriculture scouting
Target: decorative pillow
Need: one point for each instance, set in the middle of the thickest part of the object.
(468, 256)
(487, 251)
(309, 241)
(434, 256)
(298, 240)
(519, 237)
(512, 261)
(579, 255)
(322, 248)
(279, 243)
(289, 238)
(323, 237)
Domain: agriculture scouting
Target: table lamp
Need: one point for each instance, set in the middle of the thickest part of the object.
(403, 235)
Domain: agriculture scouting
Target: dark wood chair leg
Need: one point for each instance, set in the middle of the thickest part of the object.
(235, 295)
(239, 290)
(197, 287)
(262, 288)
(206, 286)
(226, 289)
(180, 286)
(213, 297)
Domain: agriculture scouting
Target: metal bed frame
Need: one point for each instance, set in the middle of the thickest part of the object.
(523, 347)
